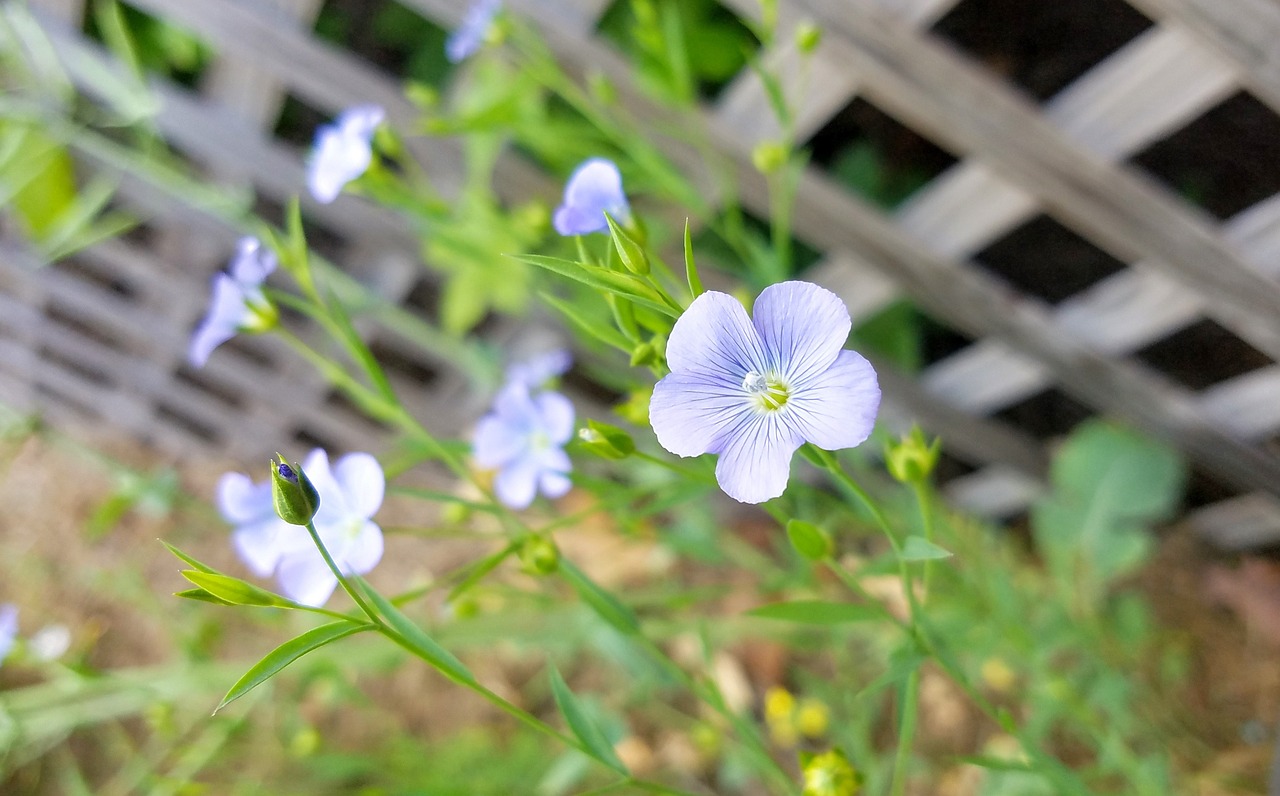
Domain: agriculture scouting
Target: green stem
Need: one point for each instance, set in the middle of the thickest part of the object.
(342, 579)
(906, 731)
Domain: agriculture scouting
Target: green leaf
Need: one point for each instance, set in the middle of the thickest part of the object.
(586, 730)
(818, 612)
(809, 540)
(234, 590)
(596, 328)
(416, 640)
(917, 548)
(186, 559)
(609, 281)
(608, 607)
(287, 653)
(201, 595)
(481, 568)
(690, 267)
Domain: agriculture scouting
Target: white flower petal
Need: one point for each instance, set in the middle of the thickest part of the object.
(241, 501)
(305, 578)
(517, 483)
(555, 415)
(690, 415)
(803, 327)
(837, 408)
(260, 545)
(714, 339)
(362, 482)
(756, 461)
(363, 551)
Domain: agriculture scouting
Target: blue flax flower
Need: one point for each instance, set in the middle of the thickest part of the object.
(342, 151)
(468, 37)
(537, 370)
(754, 391)
(8, 629)
(351, 493)
(237, 302)
(523, 438)
(594, 188)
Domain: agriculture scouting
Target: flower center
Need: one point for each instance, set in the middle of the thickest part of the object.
(769, 392)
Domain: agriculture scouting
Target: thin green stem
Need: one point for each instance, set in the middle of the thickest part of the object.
(342, 579)
(906, 731)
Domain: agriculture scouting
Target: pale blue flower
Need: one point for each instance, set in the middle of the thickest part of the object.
(537, 370)
(8, 629)
(237, 303)
(351, 492)
(754, 390)
(523, 438)
(342, 151)
(594, 188)
(469, 36)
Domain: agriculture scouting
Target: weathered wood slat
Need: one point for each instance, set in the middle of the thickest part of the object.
(1120, 211)
(1245, 31)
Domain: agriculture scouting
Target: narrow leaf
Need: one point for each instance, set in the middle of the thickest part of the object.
(186, 559)
(599, 278)
(809, 540)
(818, 612)
(917, 548)
(202, 595)
(691, 268)
(601, 331)
(287, 653)
(608, 607)
(234, 590)
(582, 726)
(416, 640)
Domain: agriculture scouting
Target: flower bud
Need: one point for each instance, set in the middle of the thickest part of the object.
(631, 252)
(808, 37)
(911, 460)
(606, 441)
(296, 500)
(768, 157)
(539, 556)
(829, 774)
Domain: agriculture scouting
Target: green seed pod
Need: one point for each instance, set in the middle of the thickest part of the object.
(911, 460)
(829, 774)
(539, 556)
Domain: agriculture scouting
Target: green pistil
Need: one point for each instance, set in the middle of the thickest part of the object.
(769, 392)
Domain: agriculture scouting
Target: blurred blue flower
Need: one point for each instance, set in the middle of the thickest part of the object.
(594, 188)
(351, 492)
(537, 370)
(753, 391)
(237, 303)
(8, 629)
(523, 438)
(342, 151)
(468, 37)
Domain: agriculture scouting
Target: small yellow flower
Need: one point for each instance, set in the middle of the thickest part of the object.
(829, 774)
(997, 675)
(813, 718)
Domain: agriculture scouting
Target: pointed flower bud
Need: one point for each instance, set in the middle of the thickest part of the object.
(911, 460)
(606, 441)
(539, 556)
(829, 774)
(629, 249)
(296, 500)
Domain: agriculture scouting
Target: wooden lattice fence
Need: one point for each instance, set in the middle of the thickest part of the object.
(102, 337)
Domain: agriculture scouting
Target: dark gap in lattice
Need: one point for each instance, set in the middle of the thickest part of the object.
(100, 273)
(387, 34)
(76, 404)
(1204, 489)
(1225, 161)
(581, 382)
(1045, 415)
(298, 121)
(717, 42)
(398, 361)
(337, 402)
(1045, 259)
(96, 375)
(424, 299)
(875, 155)
(950, 468)
(75, 321)
(220, 392)
(160, 47)
(939, 341)
(308, 438)
(1202, 355)
(1041, 47)
(178, 417)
